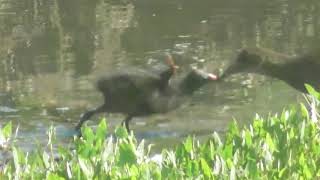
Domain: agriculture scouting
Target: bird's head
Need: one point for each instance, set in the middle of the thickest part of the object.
(245, 62)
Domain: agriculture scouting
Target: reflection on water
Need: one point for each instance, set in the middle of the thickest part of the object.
(52, 51)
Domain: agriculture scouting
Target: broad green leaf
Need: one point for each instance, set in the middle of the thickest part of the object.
(54, 176)
(205, 168)
(87, 134)
(86, 167)
(7, 130)
(195, 167)
(180, 152)
(306, 171)
(282, 171)
(304, 110)
(188, 167)
(253, 170)
(227, 151)
(63, 152)
(156, 173)
(188, 144)
(270, 143)
(121, 132)
(101, 131)
(302, 159)
(127, 154)
(134, 171)
(248, 138)
(232, 131)
(312, 91)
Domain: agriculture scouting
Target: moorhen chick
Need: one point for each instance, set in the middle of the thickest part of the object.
(295, 71)
(130, 80)
(140, 93)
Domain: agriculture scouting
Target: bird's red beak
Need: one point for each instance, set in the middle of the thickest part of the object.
(212, 77)
(206, 75)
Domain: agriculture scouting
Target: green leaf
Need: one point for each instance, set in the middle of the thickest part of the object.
(88, 134)
(156, 173)
(195, 167)
(180, 152)
(270, 143)
(282, 171)
(312, 91)
(127, 154)
(302, 131)
(86, 167)
(205, 168)
(7, 130)
(188, 144)
(101, 131)
(248, 138)
(188, 167)
(15, 155)
(306, 171)
(134, 171)
(304, 111)
(63, 152)
(253, 170)
(121, 132)
(301, 159)
(232, 132)
(54, 176)
(227, 151)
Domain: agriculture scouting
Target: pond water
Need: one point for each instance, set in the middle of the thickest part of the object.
(52, 51)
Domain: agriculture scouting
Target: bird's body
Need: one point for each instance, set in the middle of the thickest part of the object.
(136, 92)
(129, 90)
(295, 71)
(298, 72)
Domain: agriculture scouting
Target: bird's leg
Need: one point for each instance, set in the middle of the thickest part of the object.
(84, 117)
(126, 122)
(87, 115)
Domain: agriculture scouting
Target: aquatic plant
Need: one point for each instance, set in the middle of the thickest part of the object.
(285, 146)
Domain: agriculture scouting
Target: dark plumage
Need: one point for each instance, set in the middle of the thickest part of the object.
(140, 93)
(295, 71)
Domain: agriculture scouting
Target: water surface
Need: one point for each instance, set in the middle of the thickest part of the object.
(51, 53)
